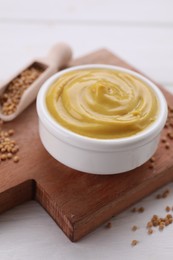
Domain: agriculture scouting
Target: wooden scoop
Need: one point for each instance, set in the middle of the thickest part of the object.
(58, 57)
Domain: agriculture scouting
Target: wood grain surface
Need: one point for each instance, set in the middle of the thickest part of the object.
(78, 202)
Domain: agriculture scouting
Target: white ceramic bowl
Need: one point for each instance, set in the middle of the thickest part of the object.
(99, 156)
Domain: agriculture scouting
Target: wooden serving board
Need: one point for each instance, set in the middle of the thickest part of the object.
(78, 202)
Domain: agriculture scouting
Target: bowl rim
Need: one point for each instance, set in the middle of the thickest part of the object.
(146, 135)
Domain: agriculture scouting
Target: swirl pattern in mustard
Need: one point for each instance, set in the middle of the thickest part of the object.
(102, 103)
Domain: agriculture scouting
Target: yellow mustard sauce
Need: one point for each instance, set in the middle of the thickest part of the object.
(102, 103)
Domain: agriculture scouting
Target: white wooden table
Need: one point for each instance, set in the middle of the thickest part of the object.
(141, 32)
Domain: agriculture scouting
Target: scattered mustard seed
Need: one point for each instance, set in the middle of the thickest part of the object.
(9, 155)
(155, 222)
(134, 242)
(159, 222)
(11, 132)
(16, 159)
(8, 147)
(158, 196)
(134, 228)
(155, 216)
(149, 224)
(165, 193)
(170, 220)
(167, 222)
(3, 157)
(152, 159)
(150, 231)
(167, 208)
(169, 216)
(161, 226)
(141, 210)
